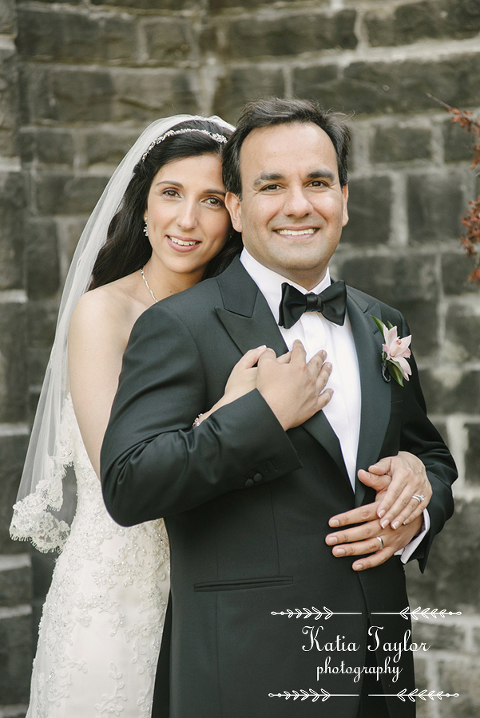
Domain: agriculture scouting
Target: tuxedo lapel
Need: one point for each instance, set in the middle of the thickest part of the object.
(248, 320)
(245, 313)
(376, 392)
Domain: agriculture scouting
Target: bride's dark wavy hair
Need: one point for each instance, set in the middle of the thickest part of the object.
(127, 249)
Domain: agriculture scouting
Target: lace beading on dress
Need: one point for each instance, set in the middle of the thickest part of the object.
(102, 621)
(33, 519)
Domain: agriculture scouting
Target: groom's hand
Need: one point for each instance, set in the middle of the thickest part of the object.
(396, 515)
(293, 388)
(362, 541)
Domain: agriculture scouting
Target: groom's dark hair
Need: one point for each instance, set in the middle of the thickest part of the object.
(276, 111)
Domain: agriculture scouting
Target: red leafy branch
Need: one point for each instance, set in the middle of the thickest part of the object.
(471, 220)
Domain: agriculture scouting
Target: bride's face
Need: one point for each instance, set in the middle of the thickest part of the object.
(187, 220)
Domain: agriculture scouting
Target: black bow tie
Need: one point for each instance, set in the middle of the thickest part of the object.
(330, 303)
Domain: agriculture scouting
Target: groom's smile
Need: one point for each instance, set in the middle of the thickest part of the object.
(293, 208)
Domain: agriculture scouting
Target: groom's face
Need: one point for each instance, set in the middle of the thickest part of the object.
(293, 208)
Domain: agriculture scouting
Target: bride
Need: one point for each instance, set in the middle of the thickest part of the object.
(160, 226)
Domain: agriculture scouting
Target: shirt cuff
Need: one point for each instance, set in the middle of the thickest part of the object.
(406, 552)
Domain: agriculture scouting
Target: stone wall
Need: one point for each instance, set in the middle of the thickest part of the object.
(79, 80)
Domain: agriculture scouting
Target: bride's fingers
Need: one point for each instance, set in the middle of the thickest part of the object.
(250, 358)
(284, 358)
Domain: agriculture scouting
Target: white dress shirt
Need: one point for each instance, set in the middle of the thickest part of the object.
(315, 332)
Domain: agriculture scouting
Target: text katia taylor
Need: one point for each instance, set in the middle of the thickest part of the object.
(340, 644)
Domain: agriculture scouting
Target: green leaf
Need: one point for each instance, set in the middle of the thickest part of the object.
(395, 371)
(379, 324)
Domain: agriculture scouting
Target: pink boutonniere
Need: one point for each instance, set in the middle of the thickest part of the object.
(395, 353)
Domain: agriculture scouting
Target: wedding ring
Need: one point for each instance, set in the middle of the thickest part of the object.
(381, 541)
(419, 497)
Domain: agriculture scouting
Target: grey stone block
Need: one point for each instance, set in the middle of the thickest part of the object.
(15, 659)
(241, 84)
(456, 267)
(290, 34)
(8, 101)
(164, 5)
(451, 580)
(458, 143)
(142, 97)
(458, 19)
(369, 206)
(13, 383)
(61, 193)
(406, 283)
(462, 332)
(386, 87)
(103, 147)
(41, 322)
(37, 360)
(42, 261)
(12, 456)
(71, 36)
(69, 238)
(66, 95)
(216, 5)
(401, 144)
(462, 676)
(12, 202)
(451, 391)
(435, 207)
(7, 17)
(168, 40)
(472, 454)
(16, 586)
(439, 634)
(49, 147)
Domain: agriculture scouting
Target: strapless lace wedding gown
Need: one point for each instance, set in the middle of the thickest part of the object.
(102, 622)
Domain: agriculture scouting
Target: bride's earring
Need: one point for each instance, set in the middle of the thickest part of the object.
(145, 229)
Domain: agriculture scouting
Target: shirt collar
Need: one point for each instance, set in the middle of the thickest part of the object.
(270, 283)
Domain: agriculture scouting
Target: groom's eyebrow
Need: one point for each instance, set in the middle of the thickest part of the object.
(319, 173)
(267, 177)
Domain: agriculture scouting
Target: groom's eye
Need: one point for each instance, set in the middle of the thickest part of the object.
(270, 187)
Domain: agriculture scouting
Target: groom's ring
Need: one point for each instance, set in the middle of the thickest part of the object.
(381, 541)
(419, 497)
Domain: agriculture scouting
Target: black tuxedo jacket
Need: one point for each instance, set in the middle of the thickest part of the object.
(247, 506)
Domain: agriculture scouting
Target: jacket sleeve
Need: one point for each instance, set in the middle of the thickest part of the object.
(421, 438)
(153, 463)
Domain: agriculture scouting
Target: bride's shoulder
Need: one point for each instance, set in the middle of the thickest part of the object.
(110, 308)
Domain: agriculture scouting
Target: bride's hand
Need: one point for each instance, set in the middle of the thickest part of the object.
(241, 381)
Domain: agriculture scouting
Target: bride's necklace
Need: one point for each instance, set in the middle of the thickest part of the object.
(147, 285)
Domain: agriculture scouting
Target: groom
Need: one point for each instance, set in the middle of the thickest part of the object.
(247, 495)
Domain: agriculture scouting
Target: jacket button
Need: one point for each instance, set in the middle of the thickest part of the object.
(249, 482)
(257, 477)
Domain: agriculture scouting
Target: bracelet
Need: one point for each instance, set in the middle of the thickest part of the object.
(197, 421)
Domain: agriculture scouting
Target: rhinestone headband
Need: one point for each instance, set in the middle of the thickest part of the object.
(214, 135)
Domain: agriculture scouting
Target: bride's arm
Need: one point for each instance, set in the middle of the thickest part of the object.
(97, 337)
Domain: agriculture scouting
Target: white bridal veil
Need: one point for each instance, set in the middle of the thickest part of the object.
(41, 493)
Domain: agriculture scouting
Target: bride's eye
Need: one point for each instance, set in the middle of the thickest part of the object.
(214, 202)
(170, 193)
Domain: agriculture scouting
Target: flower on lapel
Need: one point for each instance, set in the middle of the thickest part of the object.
(396, 351)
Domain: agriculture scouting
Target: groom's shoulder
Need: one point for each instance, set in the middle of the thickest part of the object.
(197, 303)
(367, 301)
